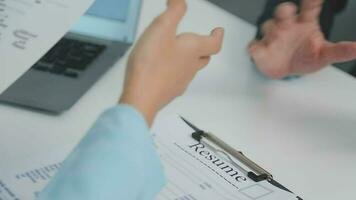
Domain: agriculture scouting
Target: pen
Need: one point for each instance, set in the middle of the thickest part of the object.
(257, 173)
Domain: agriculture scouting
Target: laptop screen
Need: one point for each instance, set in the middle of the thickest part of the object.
(110, 19)
(111, 9)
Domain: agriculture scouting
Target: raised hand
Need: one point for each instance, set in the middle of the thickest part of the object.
(294, 43)
(162, 64)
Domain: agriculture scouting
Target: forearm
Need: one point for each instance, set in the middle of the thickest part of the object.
(115, 160)
(330, 9)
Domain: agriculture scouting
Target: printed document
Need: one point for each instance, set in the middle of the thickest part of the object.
(29, 28)
(193, 171)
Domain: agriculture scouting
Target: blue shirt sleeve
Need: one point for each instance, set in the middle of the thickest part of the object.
(115, 160)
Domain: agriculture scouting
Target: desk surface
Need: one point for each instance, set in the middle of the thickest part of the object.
(301, 130)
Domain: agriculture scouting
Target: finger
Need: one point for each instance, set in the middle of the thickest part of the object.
(252, 46)
(310, 10)
(174, 13)
(256, 49)
(339, 52)
(270, 32)
(286, 13)
(267, 27)
(210, 45)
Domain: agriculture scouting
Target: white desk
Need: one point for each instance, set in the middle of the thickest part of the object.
(303, 131)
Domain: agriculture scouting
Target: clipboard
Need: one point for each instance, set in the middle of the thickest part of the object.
(254, 171)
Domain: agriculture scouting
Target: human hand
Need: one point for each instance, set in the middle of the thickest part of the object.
(295, 44)
(162, 64)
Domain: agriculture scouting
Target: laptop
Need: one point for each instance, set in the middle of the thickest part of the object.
(94, 44)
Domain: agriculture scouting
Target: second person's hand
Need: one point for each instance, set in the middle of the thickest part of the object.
(294, 43)
(162, 64)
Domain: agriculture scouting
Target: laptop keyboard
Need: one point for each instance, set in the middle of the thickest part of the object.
(69, 57)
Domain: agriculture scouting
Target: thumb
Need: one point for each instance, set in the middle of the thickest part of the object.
(338, 52)
(211, 44)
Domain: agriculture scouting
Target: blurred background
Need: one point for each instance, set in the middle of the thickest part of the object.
(344, 27)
